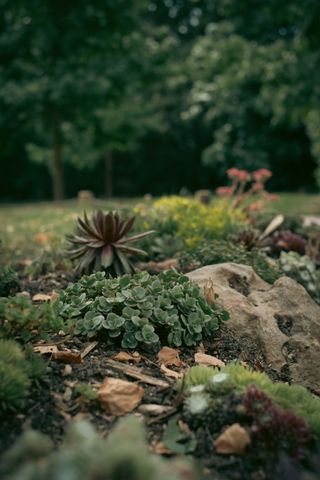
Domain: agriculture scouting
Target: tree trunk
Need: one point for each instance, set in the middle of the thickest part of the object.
(57, 165)
(108, 173)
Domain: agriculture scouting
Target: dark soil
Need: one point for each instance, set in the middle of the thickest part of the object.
(55, 401)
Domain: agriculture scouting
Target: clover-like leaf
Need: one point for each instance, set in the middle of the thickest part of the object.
(113, 321)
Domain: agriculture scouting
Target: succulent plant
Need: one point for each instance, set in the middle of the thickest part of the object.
(100, 243)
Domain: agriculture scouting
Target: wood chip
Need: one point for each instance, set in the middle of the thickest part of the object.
(154, 409)
(88, 349)
(138, 373)
(41, 297)
(45, 349)
(127, 357)
(66, 357)
(171, 373)
(204, 359)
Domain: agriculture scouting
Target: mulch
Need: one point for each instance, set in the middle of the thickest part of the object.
(54, 402)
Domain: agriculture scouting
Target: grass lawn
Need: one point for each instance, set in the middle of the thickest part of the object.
(22, 224)
(298, 204)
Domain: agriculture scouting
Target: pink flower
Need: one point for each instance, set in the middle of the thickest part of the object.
(262, 175)
(224, 191)
(237, 174)
(257, 187)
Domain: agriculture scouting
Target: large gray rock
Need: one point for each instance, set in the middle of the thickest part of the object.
(281, 321)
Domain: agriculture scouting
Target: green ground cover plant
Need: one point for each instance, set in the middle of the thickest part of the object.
(20, 318)
(18, 368)
(85, 455)
(140, 309)
(302, 269)
(289, 397)
(220, 251)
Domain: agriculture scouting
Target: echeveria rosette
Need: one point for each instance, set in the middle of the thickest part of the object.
(101, 243)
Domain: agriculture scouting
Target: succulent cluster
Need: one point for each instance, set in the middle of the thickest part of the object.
(140, 309)
(274, 428)
(286, 240)
(293, 398)
(17, 370)
(303, 270)
(85, 455)
(220, 251)
(19, 317)
(100, 243)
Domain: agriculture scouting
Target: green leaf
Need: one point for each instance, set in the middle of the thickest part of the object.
(177, 441)
(113, 321)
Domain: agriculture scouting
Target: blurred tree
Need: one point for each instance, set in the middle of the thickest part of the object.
(58, 61)
(255, 83)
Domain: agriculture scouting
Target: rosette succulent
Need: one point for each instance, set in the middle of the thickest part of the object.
(101, 243)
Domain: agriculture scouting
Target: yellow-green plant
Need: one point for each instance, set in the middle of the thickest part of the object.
(289, 397)
(189, 219)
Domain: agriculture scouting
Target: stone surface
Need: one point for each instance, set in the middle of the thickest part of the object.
(281, 321)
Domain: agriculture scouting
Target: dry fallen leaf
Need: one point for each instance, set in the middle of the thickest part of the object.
(169, 356)
(171, 373)
(119, 396)
(161, 449)
(43, 238)
(234, 439)
(127, 357)
(66, 357)
(41, 297)
(44, 349)
(209, 293)
(204, 359)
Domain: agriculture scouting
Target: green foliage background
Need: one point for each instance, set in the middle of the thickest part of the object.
(177, 91)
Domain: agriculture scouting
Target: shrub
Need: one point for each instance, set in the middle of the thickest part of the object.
(220, 251)
(19, 318)
(140, 309)
(17, 370)
(8, 281)
(85, 455)
(189, 219)
(303, 270)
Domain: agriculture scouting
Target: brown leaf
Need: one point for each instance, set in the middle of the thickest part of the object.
(41, 297)
(169, 356)
(209, 293)
(234, 439)
(204, 359)
(119, 396)
(45, 349)
(161, 449)
(66, 357)
(171, 373)
(127, 357)
(43, 238)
